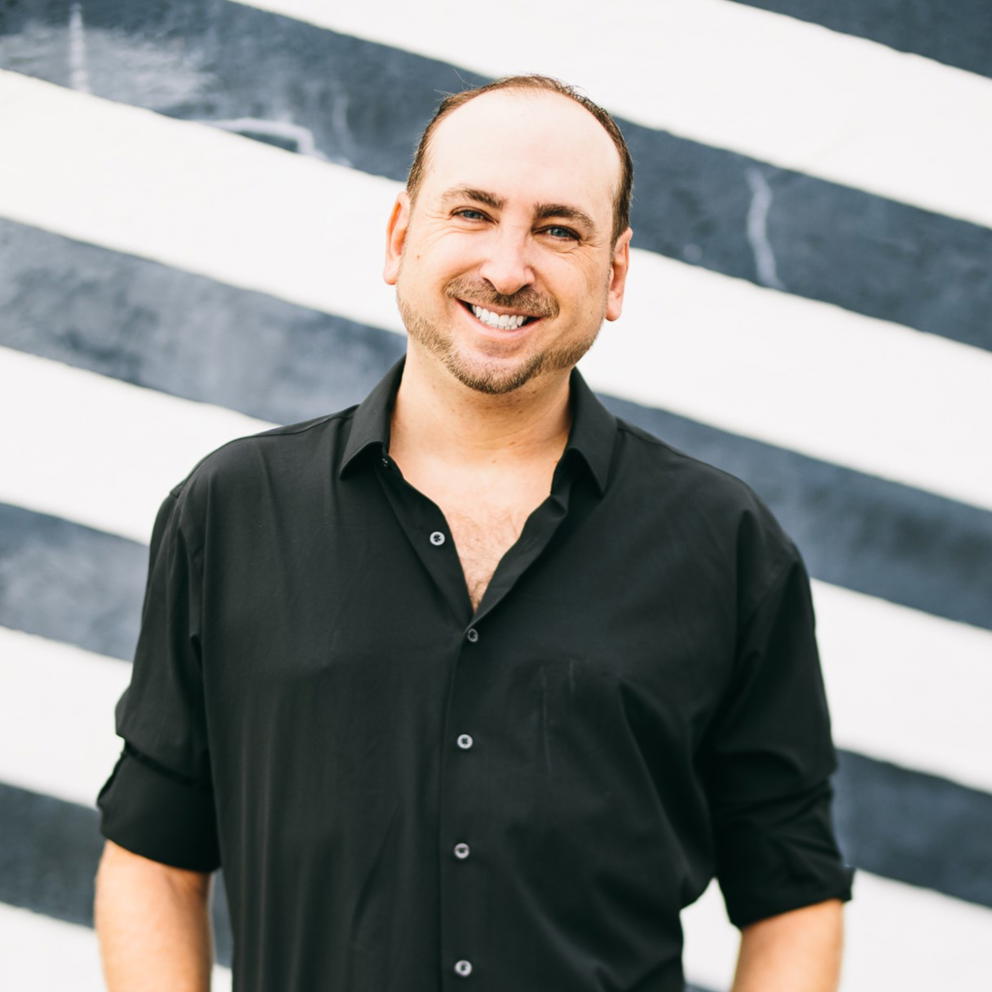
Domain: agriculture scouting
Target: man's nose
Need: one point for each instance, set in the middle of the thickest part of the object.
(507, 266)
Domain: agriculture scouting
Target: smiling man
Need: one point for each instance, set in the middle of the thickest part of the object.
(474, 686)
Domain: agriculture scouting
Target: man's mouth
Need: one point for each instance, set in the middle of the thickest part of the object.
(498, 321)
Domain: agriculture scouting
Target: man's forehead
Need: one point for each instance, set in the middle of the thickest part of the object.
(545, 140)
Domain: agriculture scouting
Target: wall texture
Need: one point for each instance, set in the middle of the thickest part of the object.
(192, 201)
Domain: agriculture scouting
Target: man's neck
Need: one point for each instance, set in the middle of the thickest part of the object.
(437, 416)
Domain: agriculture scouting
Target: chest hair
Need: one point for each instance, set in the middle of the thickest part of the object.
(482, 537)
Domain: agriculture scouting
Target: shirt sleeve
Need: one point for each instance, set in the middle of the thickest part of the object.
(158, 801)
(769, 759)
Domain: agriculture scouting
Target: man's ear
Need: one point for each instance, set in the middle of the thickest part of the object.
(619, 264)
(399, 224)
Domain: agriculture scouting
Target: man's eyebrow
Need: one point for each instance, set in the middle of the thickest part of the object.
(545, 211)
(478, 195)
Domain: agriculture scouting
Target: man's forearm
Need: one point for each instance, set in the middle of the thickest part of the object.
(153, 925)
(798, 951)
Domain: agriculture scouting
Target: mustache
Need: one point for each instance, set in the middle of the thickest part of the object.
(482, 294)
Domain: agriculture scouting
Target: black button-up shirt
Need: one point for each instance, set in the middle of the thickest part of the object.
(407, 795)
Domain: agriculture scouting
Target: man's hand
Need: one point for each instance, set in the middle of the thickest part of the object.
(152, 923)
(798, 951)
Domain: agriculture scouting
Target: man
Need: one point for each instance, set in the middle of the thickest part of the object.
(474, 686)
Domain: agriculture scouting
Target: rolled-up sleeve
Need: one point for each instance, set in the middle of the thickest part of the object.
(158, 801)
(769, 760)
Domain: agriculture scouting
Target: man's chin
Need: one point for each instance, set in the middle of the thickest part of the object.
(493, 378)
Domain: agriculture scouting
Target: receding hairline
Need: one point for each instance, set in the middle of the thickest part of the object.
(533, 84)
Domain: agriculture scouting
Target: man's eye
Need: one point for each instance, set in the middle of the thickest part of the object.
(562, 233)
(469, 214)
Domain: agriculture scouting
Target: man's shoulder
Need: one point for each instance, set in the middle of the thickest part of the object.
(655, 462)
(301, 449)
(704, 502)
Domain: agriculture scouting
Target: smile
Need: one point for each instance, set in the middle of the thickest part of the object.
(498, 321)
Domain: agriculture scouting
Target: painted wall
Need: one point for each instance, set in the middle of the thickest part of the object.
(192, 199)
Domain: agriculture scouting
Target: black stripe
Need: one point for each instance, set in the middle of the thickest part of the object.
(855, 530)
(957, 33)
(49, 857)
(189, 336)
(915, 828)
(70, 583)
(362, 105)
(49, 854)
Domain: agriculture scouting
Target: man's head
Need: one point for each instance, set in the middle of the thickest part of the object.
(622, 196)
(505, 249)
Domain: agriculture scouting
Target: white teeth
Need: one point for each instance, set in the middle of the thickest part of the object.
(501, 321)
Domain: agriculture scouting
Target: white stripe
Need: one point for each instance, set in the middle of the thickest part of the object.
(111, 468)
(872, 395)
(39, 954)
(195, 197)
(96, 450)
(57, 716)
(790, 93)
(897, 937)
(905, 686)
(861, 392)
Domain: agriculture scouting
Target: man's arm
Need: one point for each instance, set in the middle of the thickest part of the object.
(798, 951)
(153, 924)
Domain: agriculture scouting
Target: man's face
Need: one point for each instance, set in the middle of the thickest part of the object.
(504, 266)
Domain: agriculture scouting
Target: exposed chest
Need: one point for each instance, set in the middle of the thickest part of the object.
(482, 535)
(485, 510)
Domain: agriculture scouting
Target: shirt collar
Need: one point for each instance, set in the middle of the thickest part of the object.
(370, 422)
(592, 436)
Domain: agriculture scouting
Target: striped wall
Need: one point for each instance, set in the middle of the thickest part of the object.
(192, 204)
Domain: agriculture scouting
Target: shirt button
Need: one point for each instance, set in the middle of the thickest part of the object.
(463, 968)
(385, 462)
(472, 635)
(437, 538)
(461, 851)
(465, 741)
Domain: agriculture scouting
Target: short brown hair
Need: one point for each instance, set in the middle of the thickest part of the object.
(621, 205)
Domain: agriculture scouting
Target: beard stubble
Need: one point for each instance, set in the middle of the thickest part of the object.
(479, 376)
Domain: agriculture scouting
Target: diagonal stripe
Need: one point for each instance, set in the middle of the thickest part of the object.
(49, 860)
(112, 467)
(855, 530)
(739, 357)
(719, 209)
(958, 33)
(853, 112)
(61, 743)
(914, 828)
(70, 583)
(889, 700)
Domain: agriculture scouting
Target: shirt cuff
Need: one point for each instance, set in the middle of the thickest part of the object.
(781, 856)
(159, 816)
